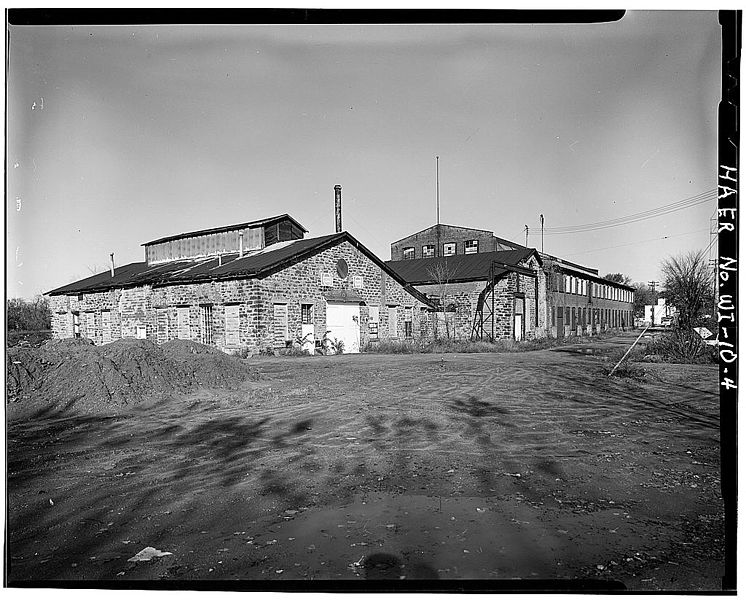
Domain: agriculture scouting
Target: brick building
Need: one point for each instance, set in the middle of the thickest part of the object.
(570, 300)
(582, 303)
(254, 286)
(448, 240)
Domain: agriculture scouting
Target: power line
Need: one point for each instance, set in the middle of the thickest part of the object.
(665, 237)
(674, 205)
(710, 246)
(636, 217)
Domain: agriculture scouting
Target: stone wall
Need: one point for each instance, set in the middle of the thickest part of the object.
(301, 283)
(462, 299)
(460, 302)
(154, 312)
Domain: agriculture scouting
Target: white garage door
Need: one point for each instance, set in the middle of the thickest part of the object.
(343, 323)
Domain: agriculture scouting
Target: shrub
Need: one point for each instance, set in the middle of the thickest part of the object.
(681, 346)
(27, 338)
(293, 351)
(450, 346)
(28, 315)
(627, 369)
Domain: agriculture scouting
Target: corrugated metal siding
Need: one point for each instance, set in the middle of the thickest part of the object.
(205, 245)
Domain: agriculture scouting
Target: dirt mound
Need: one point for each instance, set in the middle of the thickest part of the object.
(74, 374)
(186, 348)
(208, 365)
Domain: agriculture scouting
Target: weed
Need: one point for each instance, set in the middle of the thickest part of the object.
(293, 351)
(447, 346)
(628, 369)
(680, 346)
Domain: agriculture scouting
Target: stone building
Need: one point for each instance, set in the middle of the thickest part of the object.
(255, 286)
(487, 295)
(570, 299)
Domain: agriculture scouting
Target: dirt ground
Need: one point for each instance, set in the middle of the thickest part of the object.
(453, 467)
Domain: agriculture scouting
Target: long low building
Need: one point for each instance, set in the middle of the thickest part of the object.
(257, 286)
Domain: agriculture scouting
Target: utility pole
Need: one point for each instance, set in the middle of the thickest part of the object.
(526, 226)
(437, 206)
(542, 232)
(652, 285)
(437, 189)
(713, 249)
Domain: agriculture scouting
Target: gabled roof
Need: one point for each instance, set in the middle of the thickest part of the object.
(199, 270)
(441, 225)
(500, 240)
(566, 263)
(461, 267)
(258, 223)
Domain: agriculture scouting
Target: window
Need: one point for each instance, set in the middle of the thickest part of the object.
(357, 282)
(373, 322)
(553, 317)
(205, 324)
(182, 323)
(408, 253)
(161, 325)
(567, 283)
(232, 325)
(393, 322)
(428, 251)
(306, 314)
(141, 332)
(449, 249)
(342, 268)
(280, 324)
(471, 246)
(106, 326)
(408, 322)
(89, 325)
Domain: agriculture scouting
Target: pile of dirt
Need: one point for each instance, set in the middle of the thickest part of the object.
(75, 374)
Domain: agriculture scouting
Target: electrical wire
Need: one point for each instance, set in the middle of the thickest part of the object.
(636, 217)
(665, 237)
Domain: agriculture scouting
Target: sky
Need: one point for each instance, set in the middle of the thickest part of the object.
(120, 135)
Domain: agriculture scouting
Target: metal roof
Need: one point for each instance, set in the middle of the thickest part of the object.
(461, 267)
(258, 223)
(198, 270)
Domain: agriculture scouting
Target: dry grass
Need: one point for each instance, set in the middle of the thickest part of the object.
(461, 346)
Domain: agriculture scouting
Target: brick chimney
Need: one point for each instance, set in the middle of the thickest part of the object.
(338, 208)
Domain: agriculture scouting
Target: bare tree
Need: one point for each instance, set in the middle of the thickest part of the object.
(441, 274)
(687, 280)
(643, 296)
(618, 278)
(28, 315)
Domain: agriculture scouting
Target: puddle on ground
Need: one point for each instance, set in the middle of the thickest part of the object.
(582, 350)
(421, 537)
